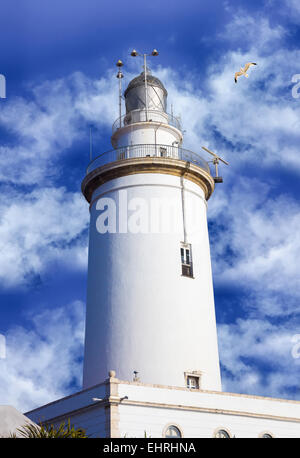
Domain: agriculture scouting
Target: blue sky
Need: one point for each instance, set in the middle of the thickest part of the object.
(59, 62)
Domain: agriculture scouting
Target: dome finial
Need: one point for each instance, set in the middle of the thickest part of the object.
(148, 70)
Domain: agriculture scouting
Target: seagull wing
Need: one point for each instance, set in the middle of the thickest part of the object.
(236, 75)
(249, 65)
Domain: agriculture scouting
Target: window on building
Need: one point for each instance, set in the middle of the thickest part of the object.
(192, 382)
(222, 434)
(186, 259)
(172, 432)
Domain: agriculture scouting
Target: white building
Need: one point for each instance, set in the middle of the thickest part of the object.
(150, 308)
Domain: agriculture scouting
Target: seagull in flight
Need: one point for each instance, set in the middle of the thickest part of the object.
(243, 71)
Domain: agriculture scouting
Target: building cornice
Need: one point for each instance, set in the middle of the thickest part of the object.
(152, 164)
(221, 393)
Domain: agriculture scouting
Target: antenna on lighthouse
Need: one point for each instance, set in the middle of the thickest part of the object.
(217, 178)
(154, 53)
(120, 75)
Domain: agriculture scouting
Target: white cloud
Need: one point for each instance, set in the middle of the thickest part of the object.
(261, 234)
(291, 9)
(39, 227)
(47, 223)
(254, 121)
(41, 363)
(252, 29)
(50, 122)
(250, 345)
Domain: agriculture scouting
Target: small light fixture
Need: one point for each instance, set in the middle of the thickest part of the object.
(154, 52)
(119, 63)
(135, 376)
(134, 53)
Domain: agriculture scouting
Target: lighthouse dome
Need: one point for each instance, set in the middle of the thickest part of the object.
(140, 81)
(135, 94)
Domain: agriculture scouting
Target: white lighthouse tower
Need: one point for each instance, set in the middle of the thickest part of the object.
(150, 302)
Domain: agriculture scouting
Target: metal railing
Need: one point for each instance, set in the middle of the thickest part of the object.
(142, 150)
(135, 116)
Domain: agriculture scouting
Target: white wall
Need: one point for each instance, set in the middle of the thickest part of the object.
(135, 420)
(250, 419)
(146, 133)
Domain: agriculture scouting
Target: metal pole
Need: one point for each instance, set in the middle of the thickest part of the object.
(216, 162)
(183, 208)
(155, 138)
(120, 76)
(120, 100)
(146, 91)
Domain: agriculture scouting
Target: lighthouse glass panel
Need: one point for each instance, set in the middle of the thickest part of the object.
(172, 432)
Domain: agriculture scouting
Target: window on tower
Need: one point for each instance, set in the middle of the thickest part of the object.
(192, 380)
(186, 260)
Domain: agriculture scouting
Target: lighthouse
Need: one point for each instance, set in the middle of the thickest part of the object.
(150, 304)
(151, 363)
